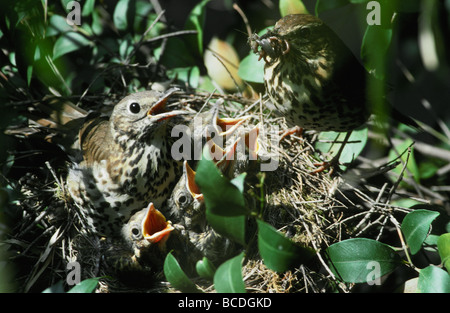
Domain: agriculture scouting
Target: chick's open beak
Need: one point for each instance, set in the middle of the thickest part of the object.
(158, 110)
(190, 182)
(155, 227)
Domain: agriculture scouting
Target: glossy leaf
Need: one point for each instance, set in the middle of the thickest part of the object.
(195, 21)
(228, 277)
(176, 276)
(85, 286)
(331, 142)
(443, 245)
(415, 227)
(433, 280)
(69, 42)
(189, 75)
(251, 69)
(238, 181)
(222, 63)
(232, 227)
(278, 252)
(205, 268)
(221, 196)
(359, 260)
(121, 15)
(374, 48)
(292, 7)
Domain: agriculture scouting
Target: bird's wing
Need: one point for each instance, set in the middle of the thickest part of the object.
(95, 138)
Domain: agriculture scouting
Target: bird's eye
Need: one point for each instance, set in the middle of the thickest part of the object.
(183, 200)
(305, 32)
(136, 232)
(134, 107)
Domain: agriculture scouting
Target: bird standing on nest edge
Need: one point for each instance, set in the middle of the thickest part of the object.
(312, 78)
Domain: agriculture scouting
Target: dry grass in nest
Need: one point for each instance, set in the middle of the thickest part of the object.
(316, 210)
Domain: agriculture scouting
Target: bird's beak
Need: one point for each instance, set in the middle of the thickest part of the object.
(158, 110)
(227, 125)
(190, 182)
(155, 227)
(252, 143)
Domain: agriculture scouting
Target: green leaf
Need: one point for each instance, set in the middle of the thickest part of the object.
(228, 277)
(205, 268)
(433, 280)
(292, 7)
(443, 245)
(189, 75)
(57, 25)
(88, 7)
(251, 69)
(278, 252)
(360, 260)
(195, 21)
(375, 45)
(69, 42)
(86, 286)
(121, 14)
(221, 196)
(415, 226)
(330, 142)
(232, 227)
(238, 181)
(176, 276)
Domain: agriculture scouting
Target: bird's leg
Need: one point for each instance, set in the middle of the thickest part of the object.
(335, 160)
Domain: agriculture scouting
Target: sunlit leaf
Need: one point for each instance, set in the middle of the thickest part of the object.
(228, 277)
(121, 15)
(69, 42)
(205, 268)
(195, 21)
(232, 227)
(222, 62)
(415, 227)
(374, 48)
(251, 69)
(330, 142)
(433, 280)
(292, 7)
(278, 252)
(360, 260)
(85, 286)
(176, 276)
(189, 75)
(443, 245)
(221, 196)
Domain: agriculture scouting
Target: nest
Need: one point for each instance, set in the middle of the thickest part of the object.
(315, 210)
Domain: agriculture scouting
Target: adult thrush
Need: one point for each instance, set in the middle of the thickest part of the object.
(126, 161)
(310, 75)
